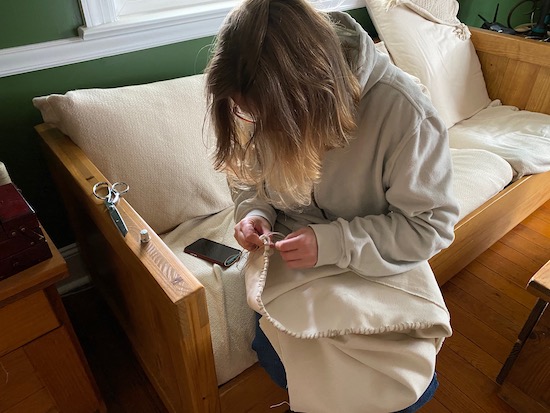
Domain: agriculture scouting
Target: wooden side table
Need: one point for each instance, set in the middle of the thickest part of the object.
(42, 366)
(525, 376)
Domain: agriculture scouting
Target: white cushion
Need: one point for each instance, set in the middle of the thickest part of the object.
(434, 53)
(520, 137)
(151, 136)
(478, 175)
(381, 48)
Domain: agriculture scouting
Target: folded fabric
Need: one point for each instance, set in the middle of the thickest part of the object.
(370, 341)
(478, 175)
(520, 137)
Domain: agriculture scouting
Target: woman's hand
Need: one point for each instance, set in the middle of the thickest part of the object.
(299, 249)
(248, 231)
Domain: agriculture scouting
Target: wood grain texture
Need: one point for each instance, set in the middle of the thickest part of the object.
(158, 301)
(25, 320)
(516, 70)
(18, 379)
(530, 373)
(58, 365)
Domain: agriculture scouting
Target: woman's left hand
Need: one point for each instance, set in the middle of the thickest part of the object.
(299, 248)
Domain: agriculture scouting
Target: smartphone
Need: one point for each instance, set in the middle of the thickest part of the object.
(213, 252)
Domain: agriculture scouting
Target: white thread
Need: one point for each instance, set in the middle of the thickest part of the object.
(279, 404)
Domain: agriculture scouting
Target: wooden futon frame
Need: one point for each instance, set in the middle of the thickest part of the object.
(169, 328)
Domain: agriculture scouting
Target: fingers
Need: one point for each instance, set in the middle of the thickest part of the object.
(248, 231)
(299, 249)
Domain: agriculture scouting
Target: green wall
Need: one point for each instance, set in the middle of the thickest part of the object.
(470, 9)
(25, 22)
(34, 21)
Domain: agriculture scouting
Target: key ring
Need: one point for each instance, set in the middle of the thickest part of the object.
(113, 192)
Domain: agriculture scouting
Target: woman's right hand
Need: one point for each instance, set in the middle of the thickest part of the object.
(248, 231)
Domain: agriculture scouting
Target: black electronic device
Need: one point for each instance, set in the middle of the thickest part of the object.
(494, 25)
(213, 252)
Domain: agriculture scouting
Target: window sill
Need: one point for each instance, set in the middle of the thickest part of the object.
(129, 34)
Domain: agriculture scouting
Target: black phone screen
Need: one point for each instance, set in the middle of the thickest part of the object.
(213, 251)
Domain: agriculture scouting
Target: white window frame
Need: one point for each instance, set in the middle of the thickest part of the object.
(109, 32)
(106, 18)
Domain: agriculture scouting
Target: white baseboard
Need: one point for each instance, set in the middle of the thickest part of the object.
(78, 275)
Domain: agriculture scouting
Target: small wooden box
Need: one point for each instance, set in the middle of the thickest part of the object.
(22, 242)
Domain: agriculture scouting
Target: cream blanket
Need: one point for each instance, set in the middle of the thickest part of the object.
(349, 343)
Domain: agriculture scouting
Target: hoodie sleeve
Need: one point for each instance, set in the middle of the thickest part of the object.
(247, 204)
(422, 211)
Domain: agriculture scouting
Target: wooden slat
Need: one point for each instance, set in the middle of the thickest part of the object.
(519, 401)
(149, 289)
(469, 321)
(522, 260)
(539, 99)
(506, 312)
(519, 90)
(516, 70)
(511, 47)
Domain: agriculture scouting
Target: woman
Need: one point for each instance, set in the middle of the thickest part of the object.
(325, 141)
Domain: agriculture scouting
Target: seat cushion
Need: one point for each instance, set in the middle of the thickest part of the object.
(478, 176)
(520, 137)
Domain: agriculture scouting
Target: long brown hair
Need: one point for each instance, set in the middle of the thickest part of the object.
(283, 62)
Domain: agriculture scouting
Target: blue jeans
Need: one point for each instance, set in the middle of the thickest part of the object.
(271, 363)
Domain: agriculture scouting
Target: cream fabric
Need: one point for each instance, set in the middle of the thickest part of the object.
(152, 136)
(354, 373)
(381, 48)
(520, 137)
(349, 343)
(232, 322)
(431, 51)
(478, 175)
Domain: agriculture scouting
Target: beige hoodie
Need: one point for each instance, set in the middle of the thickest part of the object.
(384, 202)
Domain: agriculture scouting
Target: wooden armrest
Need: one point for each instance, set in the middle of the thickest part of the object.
(157, 300)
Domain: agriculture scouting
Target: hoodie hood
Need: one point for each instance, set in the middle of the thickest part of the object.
(366, 62)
